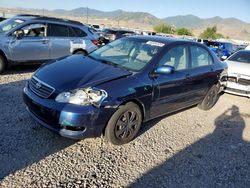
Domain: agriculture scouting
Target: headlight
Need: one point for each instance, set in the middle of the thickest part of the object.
(83, 97)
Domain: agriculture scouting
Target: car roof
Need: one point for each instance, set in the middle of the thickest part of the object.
(45, 18)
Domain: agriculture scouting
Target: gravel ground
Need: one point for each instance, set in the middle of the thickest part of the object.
(192, 148)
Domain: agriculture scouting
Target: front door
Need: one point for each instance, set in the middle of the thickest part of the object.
(32, 46)
(170, 91)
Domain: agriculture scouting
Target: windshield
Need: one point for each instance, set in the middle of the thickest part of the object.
(9, 24)
(129, 53)
(241, 56)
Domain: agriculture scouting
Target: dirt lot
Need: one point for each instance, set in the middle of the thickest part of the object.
(193, 148)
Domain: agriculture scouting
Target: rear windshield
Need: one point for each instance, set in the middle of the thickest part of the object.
(241, 56)
(109, 31)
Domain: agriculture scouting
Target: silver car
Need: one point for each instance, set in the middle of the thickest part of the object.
(237, 79)
(34, 39)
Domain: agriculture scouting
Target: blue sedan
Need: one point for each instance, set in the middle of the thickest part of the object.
(118, 87)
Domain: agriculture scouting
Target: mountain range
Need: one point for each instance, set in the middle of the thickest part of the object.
(228, 27)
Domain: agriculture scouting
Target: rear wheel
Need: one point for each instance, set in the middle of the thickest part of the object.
(81, 52)
(211, 98)
(124, 124)
(3, 64)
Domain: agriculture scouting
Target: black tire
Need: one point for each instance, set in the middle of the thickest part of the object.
(124, 124)
(81, 52)
(211, 98)
(3, 64)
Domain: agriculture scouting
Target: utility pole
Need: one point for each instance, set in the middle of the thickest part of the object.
(87, 15)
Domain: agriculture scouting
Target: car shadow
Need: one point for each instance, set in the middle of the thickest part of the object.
(22, 141)
(149, 124)
(19, 69)
(221, 159)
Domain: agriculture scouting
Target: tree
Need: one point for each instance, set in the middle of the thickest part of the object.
(164, 28)
(184, 31)
(211, 33)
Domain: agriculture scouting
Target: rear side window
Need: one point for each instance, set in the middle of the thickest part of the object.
(176, 57)
(79, 32)
(200, 57)
(56, 30)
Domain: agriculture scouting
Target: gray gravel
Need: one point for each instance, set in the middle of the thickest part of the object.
(193, 148)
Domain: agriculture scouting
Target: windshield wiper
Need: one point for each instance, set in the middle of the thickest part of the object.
(105, 61)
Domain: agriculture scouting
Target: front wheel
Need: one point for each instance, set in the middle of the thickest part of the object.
(124, 124)
(211, 98)
(3, 64)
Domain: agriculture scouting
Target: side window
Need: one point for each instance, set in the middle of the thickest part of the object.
(56, 30)
(200, 57)
(79, 32)
(72, 32)
(34, 30)
(176, 57)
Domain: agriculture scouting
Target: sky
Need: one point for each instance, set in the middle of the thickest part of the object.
(160, 8)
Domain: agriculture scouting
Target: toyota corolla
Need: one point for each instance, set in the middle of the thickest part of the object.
(118, 87)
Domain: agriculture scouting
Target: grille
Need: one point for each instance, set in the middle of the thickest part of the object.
(244, 81)
(39, 88)
(231, 79)
(238, 91)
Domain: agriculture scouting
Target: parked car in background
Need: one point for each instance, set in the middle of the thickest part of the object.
(221, 48)
(36, 39)
(117, 87)
(109, 35)
(95, 26)
(237, 80)
(2, 19)
(247, 47)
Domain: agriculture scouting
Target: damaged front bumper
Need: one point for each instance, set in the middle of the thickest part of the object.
(71, 121)
(236, 84)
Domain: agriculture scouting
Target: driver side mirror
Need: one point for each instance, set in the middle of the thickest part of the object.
(19, 34)
(165, 69)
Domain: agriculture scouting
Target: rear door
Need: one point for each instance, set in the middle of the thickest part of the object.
(33, 46)
(170, 91)
(58, 35)
(202, 74)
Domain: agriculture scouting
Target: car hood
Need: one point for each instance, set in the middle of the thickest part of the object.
(235, 67)
(78, 71)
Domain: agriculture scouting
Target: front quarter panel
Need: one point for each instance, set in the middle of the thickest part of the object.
(133, 88)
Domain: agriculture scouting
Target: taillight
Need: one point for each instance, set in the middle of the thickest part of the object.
(95, 42)
(112, 37)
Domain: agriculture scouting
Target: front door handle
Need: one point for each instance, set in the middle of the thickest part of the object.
(45, 41)
(187, 75)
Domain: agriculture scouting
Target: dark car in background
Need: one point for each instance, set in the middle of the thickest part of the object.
(35, 39)
(108, 35)
(2, 19)
(116, 88)
(221, 49)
